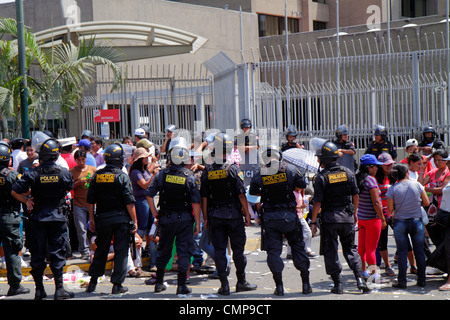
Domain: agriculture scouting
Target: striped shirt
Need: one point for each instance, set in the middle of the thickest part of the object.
(383, 189)
(365, 207)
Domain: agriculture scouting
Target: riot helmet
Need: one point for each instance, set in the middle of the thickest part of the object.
(179, 151)
(291, 131)
(427, 129)
(5, 154)
(114, 155)
(246, 123)
(380, 131)
(222, 144)
(328, 153)
(340, 131)
(49, 150)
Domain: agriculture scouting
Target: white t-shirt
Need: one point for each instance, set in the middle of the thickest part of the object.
(445, 202)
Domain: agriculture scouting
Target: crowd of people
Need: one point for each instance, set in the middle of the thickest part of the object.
(411, 196)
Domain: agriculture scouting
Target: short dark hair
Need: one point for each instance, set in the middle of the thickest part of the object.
(79, 153)
(414, 157)
(98, 140)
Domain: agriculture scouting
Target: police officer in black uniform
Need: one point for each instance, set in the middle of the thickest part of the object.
(381, 144)
(115, 216)
(291, 134)
(336, 196)
(47, 232)
(430, 141)
(224, 203)
(275, 182)
(179, 207)
(346, 148)
(10, 223)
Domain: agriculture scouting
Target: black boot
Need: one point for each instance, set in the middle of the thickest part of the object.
(182, 288)
(18, 289)
(242, 284)
(306, 287)
(361, 284)
(338, 288)
(279, 288)
(224, 286)
(40, 293)
(92, 284)
(118, 289)
(159, 285)
(60, 292)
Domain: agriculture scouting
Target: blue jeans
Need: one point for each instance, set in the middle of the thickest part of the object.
(144, 216)
(416, 230)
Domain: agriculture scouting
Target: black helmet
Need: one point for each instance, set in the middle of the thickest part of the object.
(380, 131)
(291, 131)
(329, 152)
(5, 153)
(246, 123)
(114, 154)
(429, 129)
(223, 143)
(270, 153)
(340, 131)
(49, 150)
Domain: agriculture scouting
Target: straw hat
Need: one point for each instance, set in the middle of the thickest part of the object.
(140, 153)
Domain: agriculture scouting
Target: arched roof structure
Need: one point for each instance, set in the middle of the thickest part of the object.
(137, 40)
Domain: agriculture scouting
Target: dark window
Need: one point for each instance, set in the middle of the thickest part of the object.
(414, 8)
(319, 1)
(319, 25)
(274, 25)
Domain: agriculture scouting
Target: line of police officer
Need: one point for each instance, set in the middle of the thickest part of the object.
(222, 199)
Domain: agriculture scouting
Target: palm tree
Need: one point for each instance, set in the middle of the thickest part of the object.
(66, 71)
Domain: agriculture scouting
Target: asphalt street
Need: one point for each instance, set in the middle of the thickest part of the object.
(205, 289)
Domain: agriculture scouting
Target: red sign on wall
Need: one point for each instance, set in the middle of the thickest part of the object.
(108, 115)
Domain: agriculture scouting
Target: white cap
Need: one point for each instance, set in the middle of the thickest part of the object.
(139, 132)
(411, 142)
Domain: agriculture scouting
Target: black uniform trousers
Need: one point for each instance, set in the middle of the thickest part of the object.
(221, 231)
(121, 233)
(182, 233)
(11, 239)
(330, 234)
(273, 244)
(47, 238)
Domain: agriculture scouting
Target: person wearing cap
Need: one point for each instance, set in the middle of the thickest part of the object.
(85, 144)
(370, 214)
(170, 130)
(139, 134)
(141, 177)
(411, 147)
(384, 182)
(336, 198)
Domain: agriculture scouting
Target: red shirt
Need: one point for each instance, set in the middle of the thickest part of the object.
(69, 159)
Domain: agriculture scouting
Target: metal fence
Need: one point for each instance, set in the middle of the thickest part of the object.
(315, 90)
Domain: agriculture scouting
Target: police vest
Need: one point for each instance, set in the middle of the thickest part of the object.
(221, 186)
(276, 190)
(175, 196)
(108, 191)
(338, 188)
(7, 202)
(47, 188)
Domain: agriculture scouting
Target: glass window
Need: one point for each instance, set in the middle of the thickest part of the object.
(274, 25)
